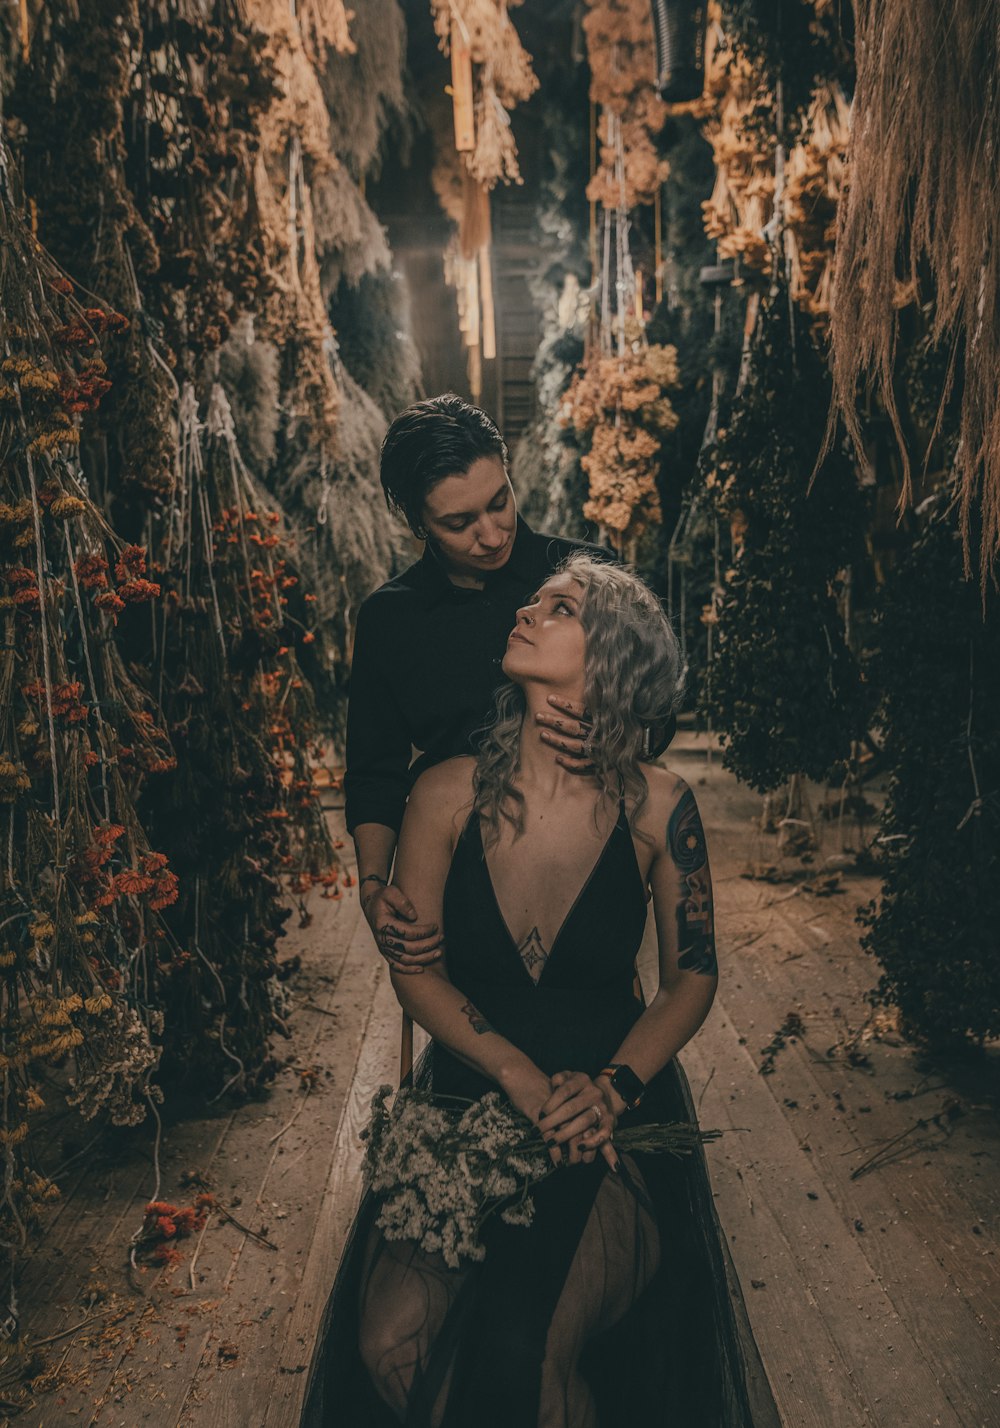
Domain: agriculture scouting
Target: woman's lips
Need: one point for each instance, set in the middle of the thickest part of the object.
(515, 635)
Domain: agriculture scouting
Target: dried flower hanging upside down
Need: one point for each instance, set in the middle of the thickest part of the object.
(622, 54)
(622, 402)
(503, 78)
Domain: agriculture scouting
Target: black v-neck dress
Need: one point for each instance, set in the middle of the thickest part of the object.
(681, 1355)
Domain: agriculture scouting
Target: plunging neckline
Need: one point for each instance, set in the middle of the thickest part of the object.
(573, 906)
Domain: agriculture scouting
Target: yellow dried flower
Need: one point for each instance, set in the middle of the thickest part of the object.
(15, 1136)
(67, 506)
(7, 957)
(35, 1101)
(95, 1005)
(47, 441)
(42, 929)
(14, 779)
(59, 1045)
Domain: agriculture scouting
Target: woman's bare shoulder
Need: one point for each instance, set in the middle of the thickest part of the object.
(665, 791)
(444, 791)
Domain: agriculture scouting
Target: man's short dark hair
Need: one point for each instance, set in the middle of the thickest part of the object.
(438, 437)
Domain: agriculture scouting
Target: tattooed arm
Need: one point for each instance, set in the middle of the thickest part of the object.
(681, 883)
(436, 810)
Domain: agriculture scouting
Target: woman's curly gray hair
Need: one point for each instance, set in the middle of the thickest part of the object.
(633, 679)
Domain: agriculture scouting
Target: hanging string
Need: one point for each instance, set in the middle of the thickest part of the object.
(42, 614)
(85, 643)
(975, 808)
(191, 467)
(219, 426)
(322, 512)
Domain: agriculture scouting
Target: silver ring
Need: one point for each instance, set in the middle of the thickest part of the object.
(598, 1116)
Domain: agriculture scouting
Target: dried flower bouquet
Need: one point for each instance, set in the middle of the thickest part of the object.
(443, 1166)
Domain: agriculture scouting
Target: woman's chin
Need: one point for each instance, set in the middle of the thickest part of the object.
(513, 663)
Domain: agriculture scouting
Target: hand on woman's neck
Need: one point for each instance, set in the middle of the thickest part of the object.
(537, 761)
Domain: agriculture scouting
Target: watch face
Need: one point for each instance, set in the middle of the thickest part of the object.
(628, 1085)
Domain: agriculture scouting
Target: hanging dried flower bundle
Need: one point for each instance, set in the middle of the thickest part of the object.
(81, 891)
(921, 212)
(483, 31)
(784, 687)
(621, 402)
(618, 401)
(242, 722)
(179, 640)
(741, 118)
(294, 148)
(324, 26)
(622, 52)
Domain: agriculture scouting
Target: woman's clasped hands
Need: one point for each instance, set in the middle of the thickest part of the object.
(578, 1121)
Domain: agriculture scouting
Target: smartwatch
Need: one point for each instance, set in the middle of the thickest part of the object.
(625, 1082)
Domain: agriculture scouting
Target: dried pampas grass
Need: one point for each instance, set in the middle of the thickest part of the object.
(922, 199)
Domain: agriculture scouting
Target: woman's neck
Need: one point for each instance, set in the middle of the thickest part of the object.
(538, 769)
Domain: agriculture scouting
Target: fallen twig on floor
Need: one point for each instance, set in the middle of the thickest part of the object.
(949, 1112)
(791, 1027)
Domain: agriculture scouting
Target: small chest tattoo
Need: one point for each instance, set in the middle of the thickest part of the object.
(533, 954)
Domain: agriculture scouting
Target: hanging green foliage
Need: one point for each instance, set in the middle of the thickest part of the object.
(784, 688)
(937, 668)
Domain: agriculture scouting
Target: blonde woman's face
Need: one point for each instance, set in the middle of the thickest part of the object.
(547, 643)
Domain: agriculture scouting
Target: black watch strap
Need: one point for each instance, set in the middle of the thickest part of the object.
(625, 1082)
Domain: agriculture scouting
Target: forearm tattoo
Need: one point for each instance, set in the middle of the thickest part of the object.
(533, 954)
(477, 1021)
(695, 914)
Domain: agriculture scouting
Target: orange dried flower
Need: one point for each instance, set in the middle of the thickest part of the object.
(92, 572)
(131, 563)
(136, 591)
(165, 891)
(131, 883)
(111, 603)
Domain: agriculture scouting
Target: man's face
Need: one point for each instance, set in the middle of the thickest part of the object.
(472, 518)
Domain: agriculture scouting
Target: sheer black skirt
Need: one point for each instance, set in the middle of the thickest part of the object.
(618, 1306)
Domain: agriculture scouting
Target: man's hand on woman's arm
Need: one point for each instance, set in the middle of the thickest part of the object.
(407, 944)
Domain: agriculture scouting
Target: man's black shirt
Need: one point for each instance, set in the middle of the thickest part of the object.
(426, 666)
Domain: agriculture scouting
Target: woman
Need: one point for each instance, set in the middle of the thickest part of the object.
(616, 1306)
(429, 642)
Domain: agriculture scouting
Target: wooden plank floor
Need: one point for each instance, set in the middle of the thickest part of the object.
(875, 1300)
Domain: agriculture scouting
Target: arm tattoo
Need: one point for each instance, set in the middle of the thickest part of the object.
(477, 1021)
(533, 954)
(695, 916)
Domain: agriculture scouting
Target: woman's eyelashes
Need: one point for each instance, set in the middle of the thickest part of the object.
(562, 607)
